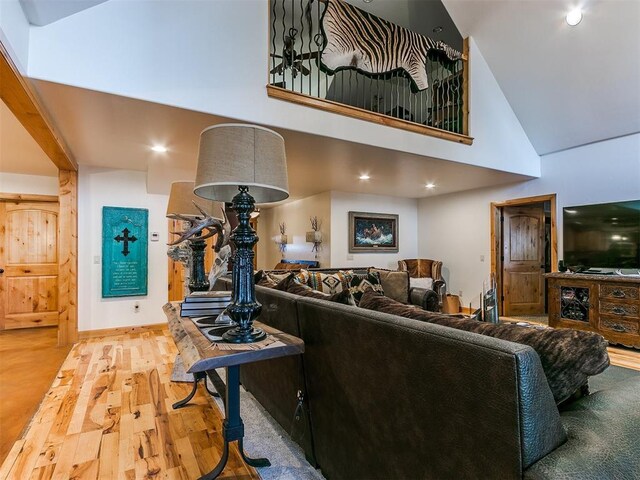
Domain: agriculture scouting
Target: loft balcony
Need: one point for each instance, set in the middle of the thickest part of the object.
(330, 55)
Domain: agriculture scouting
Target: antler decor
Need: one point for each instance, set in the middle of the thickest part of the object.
(315, 236)
(281, 239)
(197, 225)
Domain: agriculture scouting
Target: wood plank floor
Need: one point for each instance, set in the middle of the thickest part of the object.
(108, 415)
(29, 361)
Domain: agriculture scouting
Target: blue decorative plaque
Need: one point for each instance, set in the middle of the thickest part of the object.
(124, 251)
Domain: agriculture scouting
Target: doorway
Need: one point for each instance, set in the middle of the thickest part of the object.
(523, 249)
(29, 263)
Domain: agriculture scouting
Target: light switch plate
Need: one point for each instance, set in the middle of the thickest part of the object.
(155, 236)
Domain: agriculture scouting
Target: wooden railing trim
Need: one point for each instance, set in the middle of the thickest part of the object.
(362, 114)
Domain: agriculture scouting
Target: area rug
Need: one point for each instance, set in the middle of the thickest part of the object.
(264, 437)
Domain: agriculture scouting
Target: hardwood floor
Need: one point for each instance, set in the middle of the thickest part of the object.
(108, 415)
(29, 361)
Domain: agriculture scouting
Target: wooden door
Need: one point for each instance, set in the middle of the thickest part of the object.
(523, 262)
(29, 258)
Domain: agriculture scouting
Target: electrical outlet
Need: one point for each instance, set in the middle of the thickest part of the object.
(96, 260)
(460, 293)
(136, 307)
(349, 257)
(482, 258)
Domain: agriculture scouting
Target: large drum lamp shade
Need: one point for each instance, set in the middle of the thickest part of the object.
(233, 155)
(181, 202)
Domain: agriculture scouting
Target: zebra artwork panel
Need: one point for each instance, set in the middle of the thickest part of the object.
(355, 39)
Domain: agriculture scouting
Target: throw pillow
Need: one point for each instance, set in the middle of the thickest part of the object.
(425, 282)
(278, 277)
(395, 283)
(327, 282)
(291, 285)
(568, 356)
(359, 284)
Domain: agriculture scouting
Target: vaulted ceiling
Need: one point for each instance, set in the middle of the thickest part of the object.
(568, 86)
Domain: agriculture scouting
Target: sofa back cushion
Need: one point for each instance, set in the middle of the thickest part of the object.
(568, 357)
(395, 283)
(437, 401)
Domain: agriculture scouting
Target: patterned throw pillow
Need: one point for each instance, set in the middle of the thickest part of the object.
(328, 282)
(361, 283)
(291, 285)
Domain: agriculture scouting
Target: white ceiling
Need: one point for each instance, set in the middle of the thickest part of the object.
(19, 152)
(43, 12)
(568, 86)
(105, 130)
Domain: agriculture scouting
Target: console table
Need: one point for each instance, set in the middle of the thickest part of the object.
(606, 304)
(202, 356)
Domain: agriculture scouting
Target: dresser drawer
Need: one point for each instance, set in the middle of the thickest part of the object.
(619, 309)
(618, 325)
(625, 292)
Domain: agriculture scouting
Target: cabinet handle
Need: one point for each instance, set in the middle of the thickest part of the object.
(619, 310)
(618, 328)
(618, 294)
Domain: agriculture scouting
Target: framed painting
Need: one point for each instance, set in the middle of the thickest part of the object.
(373, 232)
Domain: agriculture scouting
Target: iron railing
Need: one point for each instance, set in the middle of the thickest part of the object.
(296, 41)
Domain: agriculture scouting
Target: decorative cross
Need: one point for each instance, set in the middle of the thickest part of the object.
(126, 239)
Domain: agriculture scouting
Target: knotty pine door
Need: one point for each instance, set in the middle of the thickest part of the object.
(29, 258)
(524, 260)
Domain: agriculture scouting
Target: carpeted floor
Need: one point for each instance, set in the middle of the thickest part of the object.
(264, 437)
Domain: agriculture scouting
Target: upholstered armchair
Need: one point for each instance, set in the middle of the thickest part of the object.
(426, 274)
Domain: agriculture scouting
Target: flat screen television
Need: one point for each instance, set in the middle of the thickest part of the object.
(605, 235)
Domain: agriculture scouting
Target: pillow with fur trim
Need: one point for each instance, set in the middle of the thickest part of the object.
(361, 283)
(328, 282)
(568, 357)
(291, 285)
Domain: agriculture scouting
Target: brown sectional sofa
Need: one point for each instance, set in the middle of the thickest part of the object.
(392, 398)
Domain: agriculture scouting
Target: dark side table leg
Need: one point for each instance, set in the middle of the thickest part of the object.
(196, 378)
(232, 427)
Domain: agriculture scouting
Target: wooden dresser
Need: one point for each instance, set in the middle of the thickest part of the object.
(606, 304)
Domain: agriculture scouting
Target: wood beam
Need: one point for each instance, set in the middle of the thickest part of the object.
(23, 102)
(68, 258)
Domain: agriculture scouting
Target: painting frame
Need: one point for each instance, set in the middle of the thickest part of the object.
(360, 224)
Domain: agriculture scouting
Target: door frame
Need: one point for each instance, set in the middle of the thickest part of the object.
(67, 251)
(496, 234)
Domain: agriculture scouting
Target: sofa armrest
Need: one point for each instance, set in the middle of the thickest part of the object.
(424, 298)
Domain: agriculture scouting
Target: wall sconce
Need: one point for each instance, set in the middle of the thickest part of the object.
(315, 235)
(281, 239)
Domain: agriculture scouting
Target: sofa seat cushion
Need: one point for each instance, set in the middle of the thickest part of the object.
(291, 285)
(603, 438)
(568, 357)
(395, 283)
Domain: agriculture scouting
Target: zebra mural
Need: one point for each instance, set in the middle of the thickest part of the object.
(355, 39)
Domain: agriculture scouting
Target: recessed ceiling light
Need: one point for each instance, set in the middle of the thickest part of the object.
(430, 185)
(364, 177)
(616, 237)
(367, 1)
(614, 218)
(574, 17)
(159, 148)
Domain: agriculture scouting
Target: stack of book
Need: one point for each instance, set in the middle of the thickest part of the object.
(205, 304)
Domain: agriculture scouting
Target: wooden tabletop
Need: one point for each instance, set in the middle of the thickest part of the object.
(200, 354)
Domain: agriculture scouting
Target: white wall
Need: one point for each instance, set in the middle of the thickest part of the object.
(456, 228)
(119, 188)
(296, 217)
(343, 203)
(14, 32)
(219, 62)
(33, 184)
